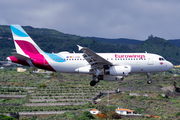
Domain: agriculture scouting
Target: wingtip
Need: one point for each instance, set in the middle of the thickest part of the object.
(80, 47)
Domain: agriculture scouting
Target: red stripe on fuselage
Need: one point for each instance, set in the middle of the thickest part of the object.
(38, 59)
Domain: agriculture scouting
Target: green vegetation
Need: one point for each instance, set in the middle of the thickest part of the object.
(75, 115)
(4, 117)
(42, 85)
(86, 116)
(178, 114)
(162, 47)
(75, 89)
(14, 109)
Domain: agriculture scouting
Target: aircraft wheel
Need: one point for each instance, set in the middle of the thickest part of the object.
(93, 83)
(149, 81)
(96, 80)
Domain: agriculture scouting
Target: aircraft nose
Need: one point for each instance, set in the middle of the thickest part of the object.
(170, 65)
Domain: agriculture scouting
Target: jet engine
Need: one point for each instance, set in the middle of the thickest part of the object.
(123, 70)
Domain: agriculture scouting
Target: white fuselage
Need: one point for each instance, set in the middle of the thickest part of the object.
(139, 62)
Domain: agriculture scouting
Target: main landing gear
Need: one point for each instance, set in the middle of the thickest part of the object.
(148, 76)
(95, 78)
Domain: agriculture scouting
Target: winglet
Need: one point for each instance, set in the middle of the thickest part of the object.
(79, 47)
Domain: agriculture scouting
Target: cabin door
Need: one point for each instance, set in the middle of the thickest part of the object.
(150, 59)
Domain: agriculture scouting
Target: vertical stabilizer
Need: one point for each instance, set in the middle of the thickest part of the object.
(23, 42)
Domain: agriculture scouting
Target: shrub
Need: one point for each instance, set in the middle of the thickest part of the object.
(4, 117)
(100, 115)
(166, 77)
(42, 85)
(178, 114)
(86, 116)
(139, 110)
(114, 115)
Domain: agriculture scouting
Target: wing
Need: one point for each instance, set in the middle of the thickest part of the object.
(93, 59)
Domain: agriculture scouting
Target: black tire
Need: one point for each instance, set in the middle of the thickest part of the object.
(92, 83)
(149, 81)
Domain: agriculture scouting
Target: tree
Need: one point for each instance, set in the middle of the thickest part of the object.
(177, 89)
(4, 117)
(113, 115)
(86, 116)
(42, 85)
(32, 69)
(103, 108)
(178, 114)
(101, 115)
(150, 37)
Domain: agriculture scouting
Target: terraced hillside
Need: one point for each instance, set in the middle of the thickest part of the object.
(24, 92)
(28, 95)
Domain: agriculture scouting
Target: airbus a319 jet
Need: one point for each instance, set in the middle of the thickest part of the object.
(102, 66)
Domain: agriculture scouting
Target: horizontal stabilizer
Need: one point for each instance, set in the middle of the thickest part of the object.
(21, 57)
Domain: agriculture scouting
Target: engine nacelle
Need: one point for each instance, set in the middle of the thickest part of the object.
(110, 78)
(118, 70)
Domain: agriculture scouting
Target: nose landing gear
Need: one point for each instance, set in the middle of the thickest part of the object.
(148, 76)
(95, 78)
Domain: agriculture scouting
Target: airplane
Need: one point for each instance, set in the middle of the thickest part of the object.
(102, 66)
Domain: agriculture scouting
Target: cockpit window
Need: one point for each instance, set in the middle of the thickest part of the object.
(161, 59)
